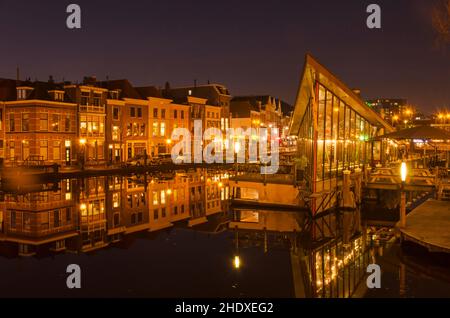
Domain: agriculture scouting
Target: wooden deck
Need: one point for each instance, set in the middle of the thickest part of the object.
(429, 226)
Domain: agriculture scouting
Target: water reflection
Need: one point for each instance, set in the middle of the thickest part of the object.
(82, 215)
(265, 253)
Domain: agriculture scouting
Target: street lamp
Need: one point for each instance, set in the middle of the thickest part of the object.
(237, 262)
(110, 154)
(403, 174)
(237, 148)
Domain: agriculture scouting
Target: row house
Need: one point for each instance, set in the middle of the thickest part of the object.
(91, 116)
(164, 117)
(38, 123)
(100, 122)
(215, 95)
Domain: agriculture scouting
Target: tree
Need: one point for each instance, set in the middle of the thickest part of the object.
(441, 22)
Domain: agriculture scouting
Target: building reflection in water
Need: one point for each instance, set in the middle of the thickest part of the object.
(325, 261)
(329, 255)
(82, 215)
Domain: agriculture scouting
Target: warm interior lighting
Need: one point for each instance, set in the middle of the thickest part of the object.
(82, 141)
(403, 171)
(237, 262)
(169, 192)
(168, 141)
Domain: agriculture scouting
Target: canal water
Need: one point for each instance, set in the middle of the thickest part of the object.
(177, 236)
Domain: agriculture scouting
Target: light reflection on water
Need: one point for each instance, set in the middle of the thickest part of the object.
(177, 236)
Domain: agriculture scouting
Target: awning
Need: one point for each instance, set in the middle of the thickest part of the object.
(418, 132)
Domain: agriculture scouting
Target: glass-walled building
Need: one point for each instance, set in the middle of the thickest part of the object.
(334, 128)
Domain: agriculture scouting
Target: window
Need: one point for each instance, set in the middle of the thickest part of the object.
(163, 113)
(43, 149)
(175, 210)
(68, 215)
(116, 113)
(155, 112)
(1, 118)
(163, 197)
(163, 129)
(139, 112)
(132, 112)
(12, 153)
(129, 126)
(57, 150)
(84, 98)
(56, 220)
(25, 149)
(43, 121)
(55, 122)
(163, 212)
(175, 114)
(155, 198)
(97, 98)
(67, 123)
(115, 133)
(182, 114)
(13, 219)
(142, 132)
(11, 122)
(114, 95)
(22, 94)
(155, 214)
(25, 122)
(182, 209)
(83, 125)
(155, 129)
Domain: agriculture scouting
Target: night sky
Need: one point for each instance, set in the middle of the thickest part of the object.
(251, 46)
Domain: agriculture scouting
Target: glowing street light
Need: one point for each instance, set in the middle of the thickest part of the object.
(403, 171)
(82, 141)
(237, 147)
(237, 262)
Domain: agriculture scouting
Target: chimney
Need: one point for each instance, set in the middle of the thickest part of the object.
(50, 79)
(89, 80)
(17, 74)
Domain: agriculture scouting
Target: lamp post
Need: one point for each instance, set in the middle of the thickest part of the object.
(110, 154)
(403, 173)
(83, 152)
(237, 148)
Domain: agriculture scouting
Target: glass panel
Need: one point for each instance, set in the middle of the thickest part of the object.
(321, 132)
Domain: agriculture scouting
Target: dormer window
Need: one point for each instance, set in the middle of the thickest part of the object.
(113, 94)
(57, 95)
(23, 92)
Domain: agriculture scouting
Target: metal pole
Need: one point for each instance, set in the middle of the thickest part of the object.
(403, 207)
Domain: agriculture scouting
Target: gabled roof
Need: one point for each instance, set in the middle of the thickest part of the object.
(126, 89)
(313, 69)
(149, 91)
(242, 109)
(40, 90)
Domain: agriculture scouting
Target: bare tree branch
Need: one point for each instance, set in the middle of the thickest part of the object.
(440, 18)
